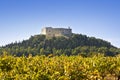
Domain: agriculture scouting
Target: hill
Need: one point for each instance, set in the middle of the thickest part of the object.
(77, 44)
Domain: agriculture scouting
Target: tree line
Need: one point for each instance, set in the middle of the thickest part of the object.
(77, 44)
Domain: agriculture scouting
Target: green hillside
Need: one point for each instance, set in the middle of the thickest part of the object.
(77, 44)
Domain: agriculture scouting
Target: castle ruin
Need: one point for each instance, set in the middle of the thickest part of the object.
(56, 32)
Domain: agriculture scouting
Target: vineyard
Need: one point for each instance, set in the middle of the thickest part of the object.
(59, 68)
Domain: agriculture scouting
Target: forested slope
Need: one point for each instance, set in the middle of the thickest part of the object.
(77, 44)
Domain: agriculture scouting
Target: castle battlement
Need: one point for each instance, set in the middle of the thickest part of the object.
(56, 32)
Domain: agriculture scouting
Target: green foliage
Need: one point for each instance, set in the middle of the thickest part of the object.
(59, 68)
(77, 44)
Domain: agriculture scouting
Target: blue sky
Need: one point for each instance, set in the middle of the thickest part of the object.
(19, 19)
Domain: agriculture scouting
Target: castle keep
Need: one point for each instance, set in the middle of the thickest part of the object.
(56, 32)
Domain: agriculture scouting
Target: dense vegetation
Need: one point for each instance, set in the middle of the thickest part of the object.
(55, 59)
(77, 44)
(59, 68)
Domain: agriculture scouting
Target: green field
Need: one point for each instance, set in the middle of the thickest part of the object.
(59, 68)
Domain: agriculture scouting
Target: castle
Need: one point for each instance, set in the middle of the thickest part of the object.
(56, 32)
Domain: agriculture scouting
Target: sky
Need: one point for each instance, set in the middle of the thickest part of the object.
(21, 19)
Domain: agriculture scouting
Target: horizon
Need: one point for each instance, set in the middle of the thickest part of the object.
(20, 19)
(53, 27)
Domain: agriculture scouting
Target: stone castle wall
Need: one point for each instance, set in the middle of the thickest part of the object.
(55, 32)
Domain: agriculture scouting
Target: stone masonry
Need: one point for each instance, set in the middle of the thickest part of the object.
(56, 32)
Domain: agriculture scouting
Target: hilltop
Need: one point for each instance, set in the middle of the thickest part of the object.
(77, 44)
